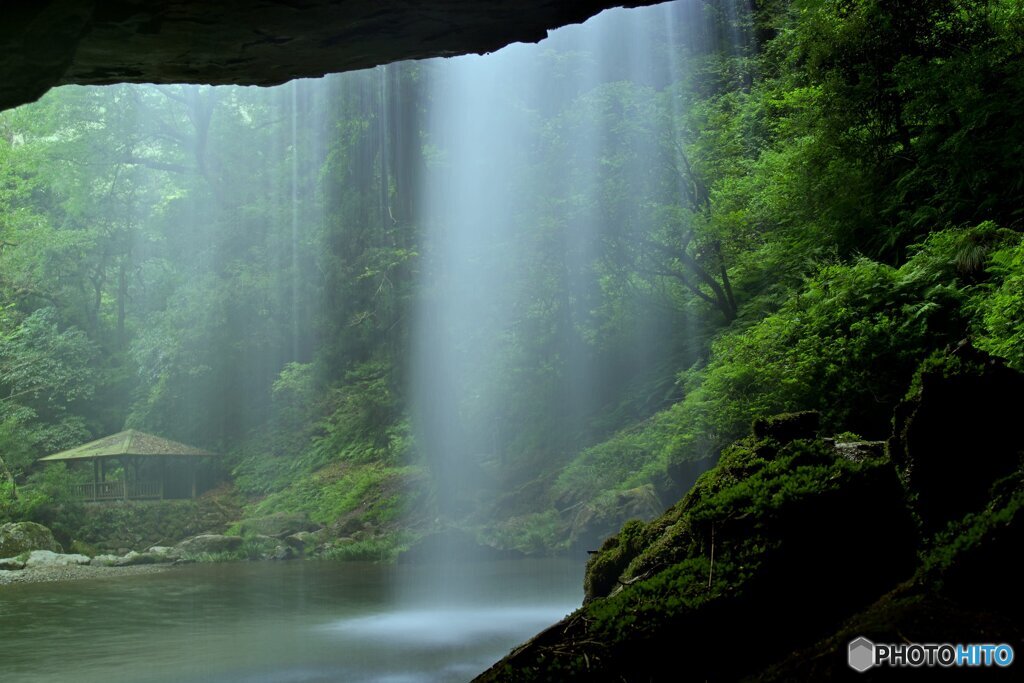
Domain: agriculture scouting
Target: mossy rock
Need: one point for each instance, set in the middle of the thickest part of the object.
(957, 433)
(606, 566)
(22, 537)
(774, 529)
(788, 427)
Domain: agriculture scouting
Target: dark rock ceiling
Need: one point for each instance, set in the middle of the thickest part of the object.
(257, 42)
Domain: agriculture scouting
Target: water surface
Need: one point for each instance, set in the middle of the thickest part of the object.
(297, 622)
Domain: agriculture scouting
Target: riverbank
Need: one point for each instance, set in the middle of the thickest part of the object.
(75, 573)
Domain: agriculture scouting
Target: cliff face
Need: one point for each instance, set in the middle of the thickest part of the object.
(253, 42)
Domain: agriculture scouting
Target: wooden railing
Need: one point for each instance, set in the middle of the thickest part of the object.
(114, 490)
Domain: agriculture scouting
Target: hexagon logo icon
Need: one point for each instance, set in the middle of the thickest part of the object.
(861, 654)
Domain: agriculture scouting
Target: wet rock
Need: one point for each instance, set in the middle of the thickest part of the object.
(48, 558)
(20, 537)
(104, 561)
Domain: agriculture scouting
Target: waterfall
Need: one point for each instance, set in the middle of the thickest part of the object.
(543, 165)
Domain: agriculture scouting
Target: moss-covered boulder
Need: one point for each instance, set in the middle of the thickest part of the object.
(787, 427)
(957, 433)
(606, 565)
(22, 537)
(792, 529)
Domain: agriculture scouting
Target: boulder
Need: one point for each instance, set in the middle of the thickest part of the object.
(207, 543)
(21, 537)
(958, 434)
(133, 558)
(11, 564)
(788, 427)
(48, 558)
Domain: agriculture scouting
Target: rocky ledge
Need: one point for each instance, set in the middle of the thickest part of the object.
(253, 42)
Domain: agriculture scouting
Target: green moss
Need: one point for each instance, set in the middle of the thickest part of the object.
(755, 536)
(605, 567)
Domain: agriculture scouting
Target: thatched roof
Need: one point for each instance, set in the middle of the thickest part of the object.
(129, 442)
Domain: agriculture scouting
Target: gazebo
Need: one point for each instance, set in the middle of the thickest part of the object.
(135, 451)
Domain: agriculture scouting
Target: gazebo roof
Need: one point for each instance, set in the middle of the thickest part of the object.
(129, 442)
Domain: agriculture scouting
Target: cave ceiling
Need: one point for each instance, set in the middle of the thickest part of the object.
(48, 43)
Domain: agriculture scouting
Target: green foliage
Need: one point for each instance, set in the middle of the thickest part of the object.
(381, 549)
(535, 533)
(1000, 311)
(215, 558)
(333, 492)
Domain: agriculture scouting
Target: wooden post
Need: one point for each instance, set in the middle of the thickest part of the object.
(95, 478)
(137, 489)
(163, 475)
(124, 479)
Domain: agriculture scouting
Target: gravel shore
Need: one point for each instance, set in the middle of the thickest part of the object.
(75, 573)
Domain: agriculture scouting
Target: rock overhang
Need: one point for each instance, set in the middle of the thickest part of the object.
(253, 42)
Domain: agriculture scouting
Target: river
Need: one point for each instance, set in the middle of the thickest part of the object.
(295, 622)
